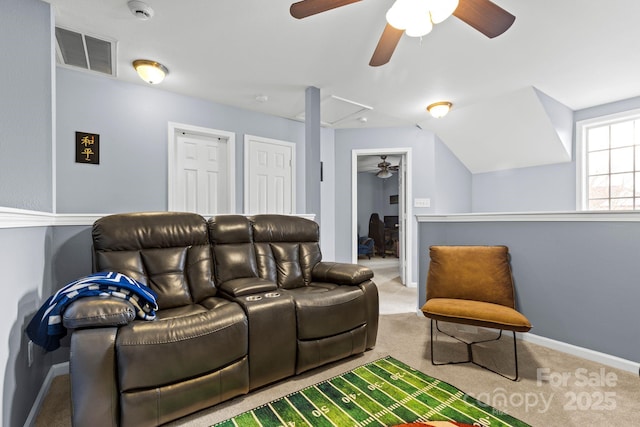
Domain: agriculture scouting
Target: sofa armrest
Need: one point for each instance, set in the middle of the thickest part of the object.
(98, 312)
(247, 286)
(94, 386)
(340, 273)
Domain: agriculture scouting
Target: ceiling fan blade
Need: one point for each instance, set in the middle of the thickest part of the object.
(386, 45)
(485, 16)
(305, 8)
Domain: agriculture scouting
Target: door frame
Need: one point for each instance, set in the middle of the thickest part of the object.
(173, 130)
(291, 145)
(406, 250)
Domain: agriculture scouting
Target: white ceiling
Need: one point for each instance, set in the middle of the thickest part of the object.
(580, 53)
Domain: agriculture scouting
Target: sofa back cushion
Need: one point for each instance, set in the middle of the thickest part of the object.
(286, 248)
(167, 251)
(232, 245)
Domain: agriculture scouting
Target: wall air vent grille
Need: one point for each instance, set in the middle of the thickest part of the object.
(91, 53)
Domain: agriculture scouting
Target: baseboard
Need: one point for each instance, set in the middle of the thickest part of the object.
(585, 353)
(54, 371)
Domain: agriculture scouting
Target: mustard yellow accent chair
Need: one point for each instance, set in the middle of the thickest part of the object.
(473, 285)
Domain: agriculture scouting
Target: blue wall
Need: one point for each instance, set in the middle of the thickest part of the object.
(577, 282)
(433, 165)
(373, 197)
(132, 121)
(26, 105)
(453, 181)
(422, 145)
(535, 189)
(26, 147)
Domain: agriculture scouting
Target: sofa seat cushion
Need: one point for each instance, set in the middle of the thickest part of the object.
(326, 309)
(183, 342)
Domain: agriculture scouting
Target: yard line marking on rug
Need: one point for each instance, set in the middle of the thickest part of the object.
(367, 376)
(336, 405)
(365, 418)
(288, 412)
(265, 416)
(443, 405)
(370, 391)
(344, 403)
(367, 403)
(470, 403)
(423, 410)
(256, 418)
(295, 397)
(284, 423)
(397, 380)
(472, 410)
(325, 407)
(244, 420)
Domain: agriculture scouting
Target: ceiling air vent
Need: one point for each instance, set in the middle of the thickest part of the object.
(79, 50)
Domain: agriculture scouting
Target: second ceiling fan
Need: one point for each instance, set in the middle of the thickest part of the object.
(386, 168)
(416, 18)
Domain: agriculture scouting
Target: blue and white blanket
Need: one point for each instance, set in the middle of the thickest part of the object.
(46, 328)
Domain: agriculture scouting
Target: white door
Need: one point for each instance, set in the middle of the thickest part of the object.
(201, 175)
(269, 176)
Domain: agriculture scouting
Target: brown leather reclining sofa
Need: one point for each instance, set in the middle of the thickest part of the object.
(243, 302)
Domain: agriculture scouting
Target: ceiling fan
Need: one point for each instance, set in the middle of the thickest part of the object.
(385, 168)
(416, 18)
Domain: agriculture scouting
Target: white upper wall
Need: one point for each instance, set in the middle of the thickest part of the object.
(520, 129)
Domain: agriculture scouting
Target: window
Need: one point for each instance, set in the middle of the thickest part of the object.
(609, 163)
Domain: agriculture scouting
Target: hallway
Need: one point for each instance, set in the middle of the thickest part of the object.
(394, 296)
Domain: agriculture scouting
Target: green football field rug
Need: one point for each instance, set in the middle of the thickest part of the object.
(385, 392)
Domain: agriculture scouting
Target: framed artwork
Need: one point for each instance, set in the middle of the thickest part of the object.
(87, 148)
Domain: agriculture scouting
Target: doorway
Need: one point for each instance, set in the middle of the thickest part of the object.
(402, 196)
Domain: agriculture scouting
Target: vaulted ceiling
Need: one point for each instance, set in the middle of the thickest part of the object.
(573, 53)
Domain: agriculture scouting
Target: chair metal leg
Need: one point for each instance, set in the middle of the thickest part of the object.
(470, 351)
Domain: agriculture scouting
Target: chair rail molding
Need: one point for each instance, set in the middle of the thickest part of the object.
(575, 216)
(22, 218)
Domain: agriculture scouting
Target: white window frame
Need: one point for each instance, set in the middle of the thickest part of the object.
(582, 127)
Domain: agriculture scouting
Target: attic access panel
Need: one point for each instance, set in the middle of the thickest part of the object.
(78, 50)
(334, 110)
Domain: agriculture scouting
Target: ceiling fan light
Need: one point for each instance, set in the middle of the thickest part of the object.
(442, 9)
(150, 71)
(384, 173)
(419, 27)
(439, 109)
(411, 16)
(397, 15)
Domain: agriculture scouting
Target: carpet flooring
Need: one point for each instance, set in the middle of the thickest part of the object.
(555, 389)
